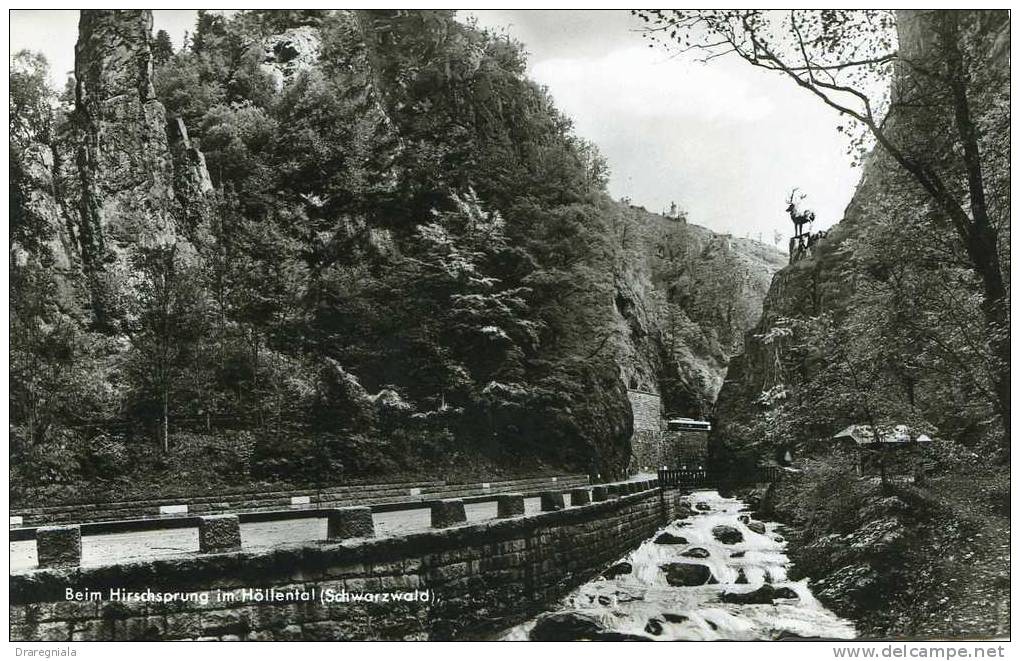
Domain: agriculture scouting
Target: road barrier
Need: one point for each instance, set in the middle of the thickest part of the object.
(395, 494)
(60, 546)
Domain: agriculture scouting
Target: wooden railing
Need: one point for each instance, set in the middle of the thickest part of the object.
(700, 477)
(683, 477)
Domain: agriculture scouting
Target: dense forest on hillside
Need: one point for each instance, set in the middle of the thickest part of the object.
(373, 247)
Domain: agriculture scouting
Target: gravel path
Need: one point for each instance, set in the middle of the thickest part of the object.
(971, 578)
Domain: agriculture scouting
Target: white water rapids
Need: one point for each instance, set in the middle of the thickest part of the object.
(642, 602)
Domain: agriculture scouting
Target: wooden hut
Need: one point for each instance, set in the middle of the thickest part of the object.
(895, 446)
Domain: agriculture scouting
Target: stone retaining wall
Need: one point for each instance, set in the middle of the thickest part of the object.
(654, 449)
(647, 408)
(479, 578)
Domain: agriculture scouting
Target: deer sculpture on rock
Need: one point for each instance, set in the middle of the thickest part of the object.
(799, 216)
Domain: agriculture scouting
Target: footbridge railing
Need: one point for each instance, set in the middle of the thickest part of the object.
(702, 477)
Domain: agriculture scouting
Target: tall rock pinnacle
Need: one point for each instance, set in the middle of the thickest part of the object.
(142, 183)
(123, 157)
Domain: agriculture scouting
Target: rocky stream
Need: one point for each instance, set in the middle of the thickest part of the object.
(713, 574)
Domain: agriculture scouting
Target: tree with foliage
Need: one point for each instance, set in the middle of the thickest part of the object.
(30, 128)
(168, 319)
(30, 102)
(162, 48)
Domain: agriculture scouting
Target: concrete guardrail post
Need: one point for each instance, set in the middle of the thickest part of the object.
(446, 513)
(552, 501)
(349, 522)
(58, 546)
(509, 504)
(219, 533)
(599, 493)
(579, 496)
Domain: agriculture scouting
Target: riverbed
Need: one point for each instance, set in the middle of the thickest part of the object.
(715, 574)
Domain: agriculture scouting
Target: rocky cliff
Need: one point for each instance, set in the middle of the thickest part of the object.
(685, 296)
(118, 172)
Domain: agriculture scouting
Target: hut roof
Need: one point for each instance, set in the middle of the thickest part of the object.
(863, 435)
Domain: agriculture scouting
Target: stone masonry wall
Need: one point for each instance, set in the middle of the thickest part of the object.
(647, 409)
(646, 441)
(480, 579)
(674, 449)
(652, 446)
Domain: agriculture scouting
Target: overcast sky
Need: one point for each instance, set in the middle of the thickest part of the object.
(725, 141)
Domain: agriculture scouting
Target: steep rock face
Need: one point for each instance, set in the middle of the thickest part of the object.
(191, 177)
(41, 201)
(126, 175)
(141, 180)
(124, 157)
(286, 54)
(821, 281)
(684, 298)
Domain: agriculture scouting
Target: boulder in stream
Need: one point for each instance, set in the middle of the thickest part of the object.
(756, 526)
(789, 635)
(741, 577)
(618, 569)
(763, 595)
(619, 636)
(674, 618)
(727, 534)
(687, 574)
(696, 552)
(565, 626)
(654, 627)
(702, 506)
(670, 538)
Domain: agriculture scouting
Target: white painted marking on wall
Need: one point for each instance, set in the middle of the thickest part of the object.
(554, 479)
(17, 520)
(173, 509)
(416, 491)
(485, 485)
(300, 500)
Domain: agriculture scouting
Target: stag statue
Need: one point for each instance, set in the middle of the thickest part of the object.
(799, 216)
